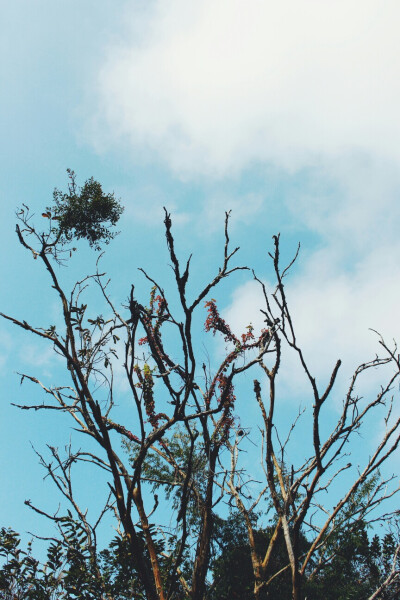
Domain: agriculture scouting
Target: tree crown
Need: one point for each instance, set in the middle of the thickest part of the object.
(85, 212)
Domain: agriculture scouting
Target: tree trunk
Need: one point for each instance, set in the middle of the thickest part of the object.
(203, 545)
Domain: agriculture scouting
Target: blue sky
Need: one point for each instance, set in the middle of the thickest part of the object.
(286, 113)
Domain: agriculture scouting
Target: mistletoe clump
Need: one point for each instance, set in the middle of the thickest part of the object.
(85, 213)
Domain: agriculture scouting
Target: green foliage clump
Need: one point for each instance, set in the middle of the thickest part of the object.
(72, 570)
(358, 567)
(233, 575)
(75, 570)
(85, 213)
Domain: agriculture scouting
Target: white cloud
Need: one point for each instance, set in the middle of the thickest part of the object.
(333, 311)
(6, 346)
(352, 203)
(36, 355)
(150, 209)
(212, 86)
(243, 208)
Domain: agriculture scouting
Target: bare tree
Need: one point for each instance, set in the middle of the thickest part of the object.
(302, 488)
(176, 396)
(88, 347)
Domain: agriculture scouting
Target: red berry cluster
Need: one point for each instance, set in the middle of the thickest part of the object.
(226, 426)
(226, 390)
(159, 301)
(148, 396)
(120, 429)
(131, 436)
(215, 322)
(246, 337)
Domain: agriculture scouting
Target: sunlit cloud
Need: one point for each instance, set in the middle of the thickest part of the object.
(7, 345)
(334, 313)
(214, 86)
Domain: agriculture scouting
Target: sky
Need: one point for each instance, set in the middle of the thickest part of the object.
(284, 113)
